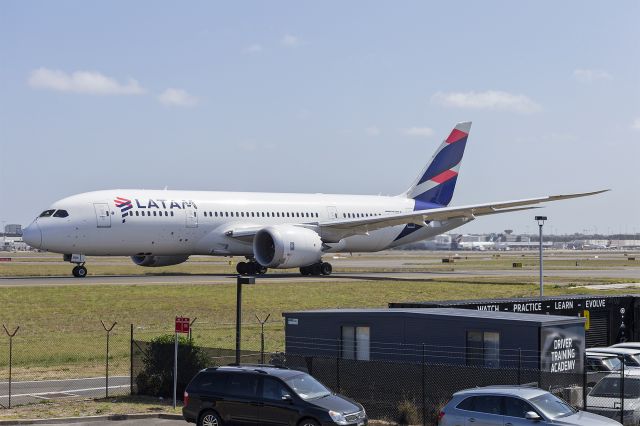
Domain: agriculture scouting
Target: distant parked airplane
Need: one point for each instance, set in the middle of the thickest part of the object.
(161, 227)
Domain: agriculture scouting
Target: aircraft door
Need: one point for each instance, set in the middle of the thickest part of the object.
(103, 215)
(333, 212)
(192, 217)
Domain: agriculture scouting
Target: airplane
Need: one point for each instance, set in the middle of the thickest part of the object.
(272, 230)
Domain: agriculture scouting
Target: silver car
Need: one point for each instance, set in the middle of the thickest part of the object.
(514, 406)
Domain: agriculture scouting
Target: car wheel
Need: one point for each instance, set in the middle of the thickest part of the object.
(308, 422)
(209, 418)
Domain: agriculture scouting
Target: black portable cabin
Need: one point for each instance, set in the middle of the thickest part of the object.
(611, 318)
(447, 336)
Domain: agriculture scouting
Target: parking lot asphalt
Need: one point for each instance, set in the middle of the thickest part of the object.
(138, 422)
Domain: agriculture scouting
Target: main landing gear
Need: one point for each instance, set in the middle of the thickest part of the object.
(320, 268)
(79, 271)
(250, 268)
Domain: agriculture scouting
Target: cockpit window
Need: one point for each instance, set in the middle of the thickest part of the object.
(47, 213)
(60, 213)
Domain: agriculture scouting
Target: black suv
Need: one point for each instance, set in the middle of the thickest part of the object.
(265, 395)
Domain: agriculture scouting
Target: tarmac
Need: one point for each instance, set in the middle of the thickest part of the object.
(192, 279)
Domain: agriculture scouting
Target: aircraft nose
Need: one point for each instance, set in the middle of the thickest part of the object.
(32, 235)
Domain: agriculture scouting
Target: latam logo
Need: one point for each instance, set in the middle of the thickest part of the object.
(124, 205)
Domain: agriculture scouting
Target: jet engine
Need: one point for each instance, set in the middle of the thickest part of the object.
(286, 246)
(153, 261)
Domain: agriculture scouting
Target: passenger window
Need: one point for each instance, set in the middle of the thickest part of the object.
(154, 213)
(466, 404)
(137, 213)
(47, 213)
(242, 385)
(488, 404)
(273, 390)
(515, 407)
(61, 213)
(205, 214)
(171, 213)
(209, 382)
(142, 212)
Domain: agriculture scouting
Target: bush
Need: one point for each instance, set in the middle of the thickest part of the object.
(408, 413)
(156, 378)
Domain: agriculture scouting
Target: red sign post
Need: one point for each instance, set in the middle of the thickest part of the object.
(182, 325)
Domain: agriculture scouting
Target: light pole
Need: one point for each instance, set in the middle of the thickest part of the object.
(541, 220)
(239, 282)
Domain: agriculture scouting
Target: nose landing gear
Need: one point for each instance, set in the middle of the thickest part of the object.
(79, 271)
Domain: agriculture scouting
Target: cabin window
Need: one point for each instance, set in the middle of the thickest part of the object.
(155, 213)
(205, 214)
(172, 213)
(137, 213)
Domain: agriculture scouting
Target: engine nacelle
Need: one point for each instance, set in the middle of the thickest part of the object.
(154, 261)
(286, 246)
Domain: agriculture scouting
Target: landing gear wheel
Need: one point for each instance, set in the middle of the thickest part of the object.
(79, 271)
(315, 269)
(261, 270)
(242, 268)
(326, 268)
(209, 418)
(305, 270)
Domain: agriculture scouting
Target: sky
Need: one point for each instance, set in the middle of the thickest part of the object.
(333, 97)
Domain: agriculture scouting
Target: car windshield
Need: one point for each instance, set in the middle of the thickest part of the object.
(610, 387)
(632, 360)
(552, 406)
(307, 387)
(612, 363)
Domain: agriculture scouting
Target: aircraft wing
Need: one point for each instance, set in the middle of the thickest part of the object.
(348, 227)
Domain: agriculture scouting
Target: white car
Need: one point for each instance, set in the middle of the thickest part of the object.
(631, 356)
(627, 345)
(606, 396)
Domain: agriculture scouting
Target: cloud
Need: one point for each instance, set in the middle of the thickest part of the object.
(254, 48)
(177, 98)
(589, 76)
(490, 99)
(423, 132)
(82, 82)
(290, 41)
(636, 124)
(372, 131)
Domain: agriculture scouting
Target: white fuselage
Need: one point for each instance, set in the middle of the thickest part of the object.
(164, 222)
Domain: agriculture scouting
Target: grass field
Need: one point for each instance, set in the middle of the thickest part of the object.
(61, 336)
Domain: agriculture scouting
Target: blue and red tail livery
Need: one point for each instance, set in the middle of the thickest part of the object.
(437, 181)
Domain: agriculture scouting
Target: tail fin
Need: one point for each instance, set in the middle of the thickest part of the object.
(437, 181)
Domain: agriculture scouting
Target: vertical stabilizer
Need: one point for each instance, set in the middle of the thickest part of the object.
(437, 181)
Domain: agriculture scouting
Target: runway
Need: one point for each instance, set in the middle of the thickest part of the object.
(217, 279)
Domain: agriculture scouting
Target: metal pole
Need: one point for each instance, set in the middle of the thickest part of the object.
(11, 336)
(262, 323)
(108, 330)
(131, 362)
(10, 363)
(175, 373)
(541, 267)
(238, 318)
(622, 392)
(424, 408)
